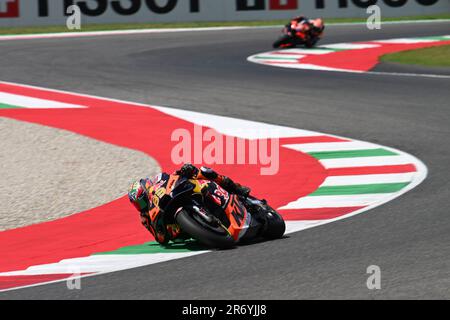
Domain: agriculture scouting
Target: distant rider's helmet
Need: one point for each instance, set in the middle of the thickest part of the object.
(139, 195)
(317, 24)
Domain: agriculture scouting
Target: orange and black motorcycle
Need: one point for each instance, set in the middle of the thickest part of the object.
(307, 33)
(208, 213)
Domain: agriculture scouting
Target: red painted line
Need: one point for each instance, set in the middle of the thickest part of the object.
(404, 168)
(363, 59)
(317, 213)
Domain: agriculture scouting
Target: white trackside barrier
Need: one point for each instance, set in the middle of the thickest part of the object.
(55, 12)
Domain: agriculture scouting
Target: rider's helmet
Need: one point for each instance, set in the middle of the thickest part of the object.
(139, 195)
(317, 24)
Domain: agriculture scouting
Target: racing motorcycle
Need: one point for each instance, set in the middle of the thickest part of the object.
(211, 215)
(296, 34)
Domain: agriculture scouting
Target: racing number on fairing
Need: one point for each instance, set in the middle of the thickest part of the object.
(238, 211)
(220, 195)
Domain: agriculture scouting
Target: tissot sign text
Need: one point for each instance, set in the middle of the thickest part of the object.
(9, 8)
(54, 12)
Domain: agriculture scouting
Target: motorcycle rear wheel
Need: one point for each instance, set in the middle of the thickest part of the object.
(218, 238)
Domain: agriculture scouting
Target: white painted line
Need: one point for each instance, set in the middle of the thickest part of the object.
(350, 46)
(303, 66)
(364, 161)
(418, 75)
(313, 202)
(390, 22)
(307, 51)
(100, 263)
(406, 41)
(237, 127)
(34, 103)
(332, 146)
(277, 55)
(112, 33)
(368, 179)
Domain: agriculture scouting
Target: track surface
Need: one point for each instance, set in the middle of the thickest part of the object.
(207, 71)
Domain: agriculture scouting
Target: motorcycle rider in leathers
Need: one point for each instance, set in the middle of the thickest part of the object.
(163, 230)
(314, 27)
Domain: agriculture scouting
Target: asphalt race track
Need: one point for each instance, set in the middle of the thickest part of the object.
(409, 238)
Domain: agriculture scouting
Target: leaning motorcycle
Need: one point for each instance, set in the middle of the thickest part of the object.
(298, 34)
(208, 213)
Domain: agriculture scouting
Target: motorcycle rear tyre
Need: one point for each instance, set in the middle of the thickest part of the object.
(201, 234)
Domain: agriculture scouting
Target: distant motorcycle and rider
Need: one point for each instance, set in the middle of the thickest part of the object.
(301, 31)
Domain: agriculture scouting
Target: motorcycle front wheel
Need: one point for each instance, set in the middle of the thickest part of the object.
(197, 228)
(283, 41)
(276, 227)
(311, 42)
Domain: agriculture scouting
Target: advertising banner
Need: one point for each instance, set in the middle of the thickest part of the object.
(54, 12)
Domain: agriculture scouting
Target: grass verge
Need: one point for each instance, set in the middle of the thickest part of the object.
(438, 56)
(108, 27)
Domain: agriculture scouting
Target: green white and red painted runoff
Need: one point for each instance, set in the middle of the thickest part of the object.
(354, 57)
